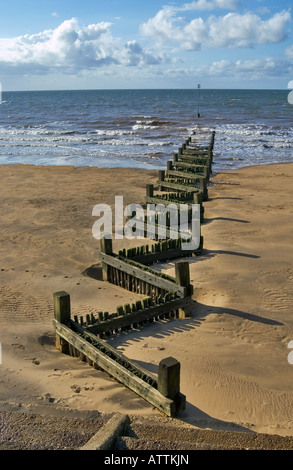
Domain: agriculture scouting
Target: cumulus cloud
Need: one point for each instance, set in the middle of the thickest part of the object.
(71, 46)
(135, 55)
(233, 30)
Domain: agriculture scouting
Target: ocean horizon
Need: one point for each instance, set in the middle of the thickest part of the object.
(142, 128)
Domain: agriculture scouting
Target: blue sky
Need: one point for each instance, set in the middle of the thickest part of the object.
(154, 44)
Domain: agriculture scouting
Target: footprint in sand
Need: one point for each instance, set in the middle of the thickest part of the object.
(48, 397)
(18, 346)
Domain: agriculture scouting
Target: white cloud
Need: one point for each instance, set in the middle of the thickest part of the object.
(289, 52)
(133, 54)
(234, 30)
(71, 46)
(256, 69)
(211, 5)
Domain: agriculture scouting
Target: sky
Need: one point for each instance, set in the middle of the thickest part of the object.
(122, 44)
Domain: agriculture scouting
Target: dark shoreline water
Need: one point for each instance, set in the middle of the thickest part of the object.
(142, 128)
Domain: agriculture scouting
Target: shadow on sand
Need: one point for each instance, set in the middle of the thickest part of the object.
(167, 327)
(164, 328)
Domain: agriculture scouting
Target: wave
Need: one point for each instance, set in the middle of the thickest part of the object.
(132, 129)
(142, 126)
(112, 133)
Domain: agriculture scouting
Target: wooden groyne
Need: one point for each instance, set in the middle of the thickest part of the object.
(161, 391)
(137, 277)
(187, 177)
(161, 251)
(183, 184)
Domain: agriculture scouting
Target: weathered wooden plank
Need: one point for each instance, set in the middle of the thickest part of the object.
(204, 160)
(167, 185)
(177, 187)
(184, 174)
(140, 272)
(192, 163)
(142, 315)
(192, 167)
(195, 152)
(117, 371)
(88, 333)
(152, 258)
(161, 199)
(195, 168)
(194, 146)
(156, 232)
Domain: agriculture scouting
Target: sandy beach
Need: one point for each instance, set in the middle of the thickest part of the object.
(233, 349)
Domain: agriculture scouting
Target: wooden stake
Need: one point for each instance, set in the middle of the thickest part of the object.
(169, 377)
(62, 313)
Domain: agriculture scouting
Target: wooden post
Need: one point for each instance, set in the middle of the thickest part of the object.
(169, 165)
(175, 157)
(150, 190)
(62, 307)
(169, 377)
(161, 175)
(209, 162)
(203, 188)
(62, 313)
(182, 278)
(106, 247)
(197, 199)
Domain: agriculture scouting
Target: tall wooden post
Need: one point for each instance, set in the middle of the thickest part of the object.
(209, 161)
(106, 245)
(161, 175)
(149, 190)
(169, 382)
(197, 199)
(206, 172)
(62, 313)
(169, 377)
(204, 189)
(107, 248)
(182, 278)
(169, 165)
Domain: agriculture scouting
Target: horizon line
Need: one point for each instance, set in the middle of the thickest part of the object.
(143, 89)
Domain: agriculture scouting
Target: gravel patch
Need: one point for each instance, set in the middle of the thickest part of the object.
(33, 431)
(25, 431)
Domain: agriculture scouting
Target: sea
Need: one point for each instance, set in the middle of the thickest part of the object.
(143, 128)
